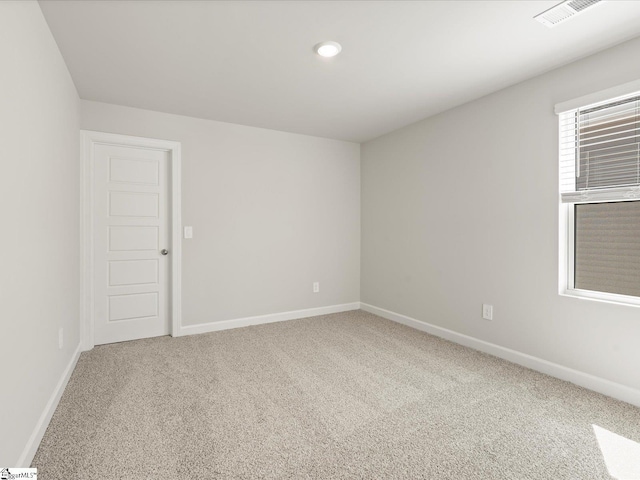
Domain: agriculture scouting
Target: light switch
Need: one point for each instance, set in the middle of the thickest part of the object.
(188, 232)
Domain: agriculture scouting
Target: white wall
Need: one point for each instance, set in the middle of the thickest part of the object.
(39, 185)
(272, 212)
(462, 209)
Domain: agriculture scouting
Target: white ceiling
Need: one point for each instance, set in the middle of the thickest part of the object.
(252, 63)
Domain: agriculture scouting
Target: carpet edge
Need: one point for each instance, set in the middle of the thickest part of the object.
(597, 384)
(33, 443)
(269, 318)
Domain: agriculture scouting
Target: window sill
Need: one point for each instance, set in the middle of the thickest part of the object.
(616, 299)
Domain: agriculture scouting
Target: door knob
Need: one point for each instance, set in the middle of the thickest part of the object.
(164, 251)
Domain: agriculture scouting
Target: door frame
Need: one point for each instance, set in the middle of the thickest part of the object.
(88, 139)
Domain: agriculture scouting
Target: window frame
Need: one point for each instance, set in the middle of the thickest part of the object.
(566, 230)
(567, 263)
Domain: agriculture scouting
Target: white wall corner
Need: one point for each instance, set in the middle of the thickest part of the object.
(586, 380)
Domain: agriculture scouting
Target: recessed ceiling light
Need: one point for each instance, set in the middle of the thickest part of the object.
(328, 49)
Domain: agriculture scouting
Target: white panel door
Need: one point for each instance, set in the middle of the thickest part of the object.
(131, 243)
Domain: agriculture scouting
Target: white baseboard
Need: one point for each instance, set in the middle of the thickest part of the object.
(586, 380)
(270, 318)
(43, 422)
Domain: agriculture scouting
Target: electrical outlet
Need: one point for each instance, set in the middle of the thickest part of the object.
(60, 338)
(316, 287)
(487, 311)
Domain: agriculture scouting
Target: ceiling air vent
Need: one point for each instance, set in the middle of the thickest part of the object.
(564, 11)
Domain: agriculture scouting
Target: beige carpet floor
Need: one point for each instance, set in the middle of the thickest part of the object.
(348, 395)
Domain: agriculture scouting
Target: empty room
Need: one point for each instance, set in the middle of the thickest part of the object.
(320, 239)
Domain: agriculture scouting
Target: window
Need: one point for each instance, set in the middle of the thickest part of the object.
(600, 192)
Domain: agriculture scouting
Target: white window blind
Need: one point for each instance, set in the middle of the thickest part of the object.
(600, 152)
